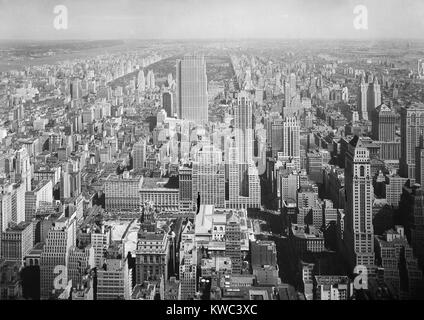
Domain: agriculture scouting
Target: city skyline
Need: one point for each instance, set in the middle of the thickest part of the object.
(164, 19)
(214, 170)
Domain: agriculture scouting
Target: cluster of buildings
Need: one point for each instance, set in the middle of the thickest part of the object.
(115, 183)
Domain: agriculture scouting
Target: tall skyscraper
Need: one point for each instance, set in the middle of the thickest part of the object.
(192, 91)
(76, 89)
(209, 177)
(359, 234)
(374, 96)
(139, 155)
(243, 139)
(419, 162)
(141, 81)
(232, 241)
(23, 167)
(243, 127)
(185, 182)
(412, 128)
(291, 140)
(60, 239)
(411, 206)
(276, 136)
(369, 96)
(383, 124)
(242, 176)
(168, 103)
(363, 99)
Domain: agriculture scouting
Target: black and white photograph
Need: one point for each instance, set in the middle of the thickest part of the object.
(211, 154)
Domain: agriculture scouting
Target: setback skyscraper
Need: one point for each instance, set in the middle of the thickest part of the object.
(192, 91)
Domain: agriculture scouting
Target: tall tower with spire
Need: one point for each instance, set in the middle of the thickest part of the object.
(363, 99)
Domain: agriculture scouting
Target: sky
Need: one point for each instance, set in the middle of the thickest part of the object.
(210, 19)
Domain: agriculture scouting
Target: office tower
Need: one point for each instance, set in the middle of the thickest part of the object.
(23, 167)
(419, 162)
(80, 261)
(114, 278)
(291, 99)
(168, 103)
(75, 89)
(291, 140)
(383, 124)
(263, 253)
(238, 179)
(100, 240)
(122, 192)
(188, 269)
(17, 241)
(42, 195)
(65, 182)
(232, 241)
(359, 234)
(18, 203)
(411, 208)
(287, 95)
(412, 128)
(150, 81)
(243, 130)
(192, 95)
(293, 90)
(363, 99)
(141, 81)
(276, 136)
(243, 127)
(374, 97)
(209, 177)
(185, 183)
(5, 210)
(394, 186)
(139, 155)
(152, 255)
(287, 186)
(61, 237)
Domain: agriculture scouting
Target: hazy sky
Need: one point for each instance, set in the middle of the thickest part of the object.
(170, 19)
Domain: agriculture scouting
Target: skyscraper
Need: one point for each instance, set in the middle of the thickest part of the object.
(359, 234)
(168, 103)
(192, 95)
(141, 81)
(374, 96)
(412, 128)
(242, 176)
(383, 123)
(291, 140)
(139, 155)
(363, 99)
(369, 96)
(209, 177)
(243, 127)
(61, 237)
(75, 88)
(243, 139)
(419, 162)
(232, 241)
(23, 167)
